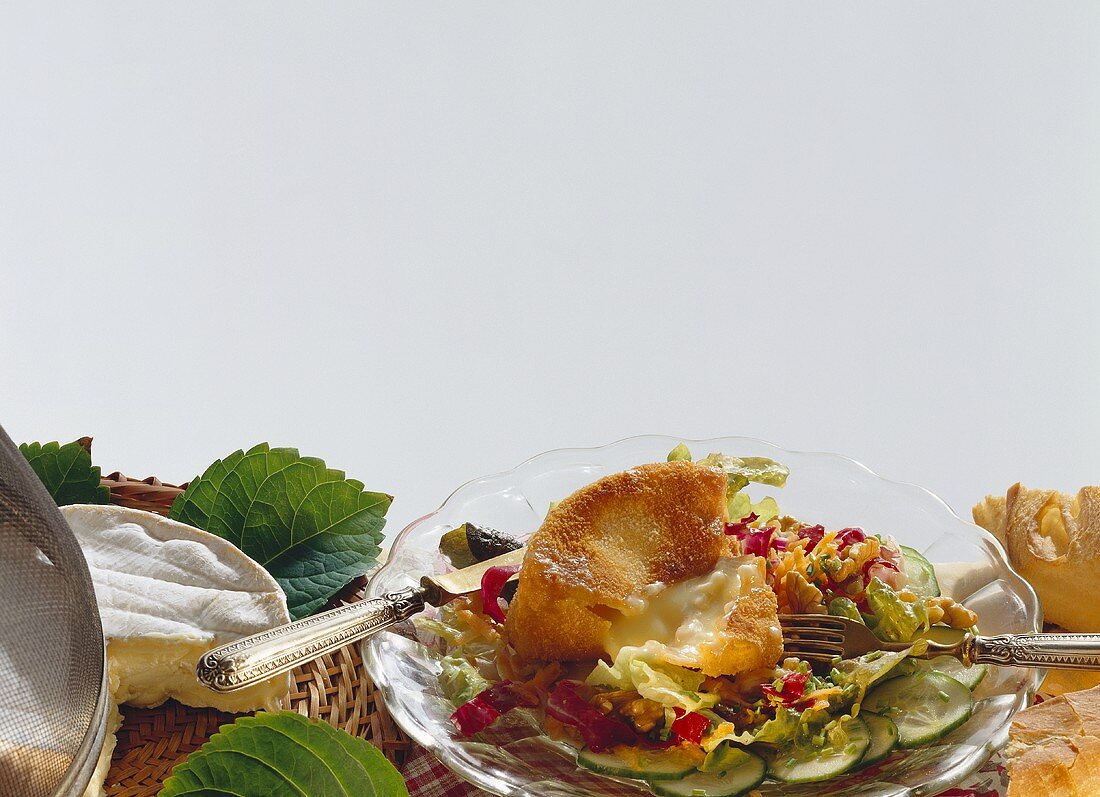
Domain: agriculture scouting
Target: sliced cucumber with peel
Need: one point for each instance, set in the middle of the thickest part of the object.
(922, 576)
(969, 677)
(745, 773)
(925, 706)
(813, 764)
(646, 764)
(884, 737)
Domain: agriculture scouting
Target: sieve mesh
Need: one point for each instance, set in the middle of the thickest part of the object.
(52, 694)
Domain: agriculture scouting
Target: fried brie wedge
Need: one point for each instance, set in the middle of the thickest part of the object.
(641, 557)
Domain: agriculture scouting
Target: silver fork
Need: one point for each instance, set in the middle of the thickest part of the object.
(820, 638)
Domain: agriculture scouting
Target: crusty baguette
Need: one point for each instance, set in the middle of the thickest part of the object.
(1054, 748)
(1053, 540)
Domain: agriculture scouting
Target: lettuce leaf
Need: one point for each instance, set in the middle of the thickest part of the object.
(845, 607)
(283, 754)
(739, 472)
(898, 621)
(311, 527)
(860, 674)
(639, 668)
(742, 470)
(67, 471)
(461, 681)
(781, 729)
(680, 454)
(739, 505)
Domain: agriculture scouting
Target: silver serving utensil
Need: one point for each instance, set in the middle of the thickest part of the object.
(250, 660)
(819, 638)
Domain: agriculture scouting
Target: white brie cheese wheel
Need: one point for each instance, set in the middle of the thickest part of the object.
(167, 593)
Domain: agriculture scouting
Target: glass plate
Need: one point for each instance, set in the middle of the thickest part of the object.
(823, 488)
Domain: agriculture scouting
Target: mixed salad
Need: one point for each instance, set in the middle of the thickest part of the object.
(685, 733)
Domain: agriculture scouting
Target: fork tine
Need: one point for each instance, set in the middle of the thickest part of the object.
(821, 621)
(814, 635)
(809, 646)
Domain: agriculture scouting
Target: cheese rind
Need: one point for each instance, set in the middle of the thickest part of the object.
(167, 593)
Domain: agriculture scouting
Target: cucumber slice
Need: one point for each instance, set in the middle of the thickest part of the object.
(812, 764)
(922, 576)
(925, 706)
(884, 738)
(738, 779)
(969, 677)
(646, 764)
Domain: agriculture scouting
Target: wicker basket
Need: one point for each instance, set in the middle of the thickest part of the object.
(334, 688)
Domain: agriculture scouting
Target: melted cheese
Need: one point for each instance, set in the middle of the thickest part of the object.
(688, 619)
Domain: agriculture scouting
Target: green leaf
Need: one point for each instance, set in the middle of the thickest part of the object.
(310, 526)
(742, 470)
(67, 472)
(845, 607)
(284, 754)
(640, 669)
(898, 621)
(865, 671)
(680, 454)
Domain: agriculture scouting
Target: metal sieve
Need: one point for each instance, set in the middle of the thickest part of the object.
(53, 693)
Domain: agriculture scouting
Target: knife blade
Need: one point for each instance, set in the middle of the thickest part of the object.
(445, 587)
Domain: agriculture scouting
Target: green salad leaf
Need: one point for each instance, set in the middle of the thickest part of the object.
(680, 454)
(461, 681)
(311, 527)
(284, 754)
(739, 505)
(742, 470)
(739, 472)
(861, 673)
(781, 729)
(845, 607)
(668, 684)
(67, 472)
(898, 621)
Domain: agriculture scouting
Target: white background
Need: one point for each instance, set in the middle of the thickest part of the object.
(427, 240)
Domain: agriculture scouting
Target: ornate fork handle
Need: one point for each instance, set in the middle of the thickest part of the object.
(249, 661)
(1064, 651)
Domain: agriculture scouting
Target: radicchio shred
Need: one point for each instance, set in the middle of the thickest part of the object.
(492, 584)
(600, 732)
(813, 534)
(477, 714)
(755, 542)
(877, 561)
(850, 536)
(741, 527)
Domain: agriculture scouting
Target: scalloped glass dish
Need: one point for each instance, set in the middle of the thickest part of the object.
(823, 488)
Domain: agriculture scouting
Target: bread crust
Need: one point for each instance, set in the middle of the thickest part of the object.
(1053, 540)
(654, 523)
(1054, 748)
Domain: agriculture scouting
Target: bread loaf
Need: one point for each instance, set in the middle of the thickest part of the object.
(1053, 541)
(1054, 748)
